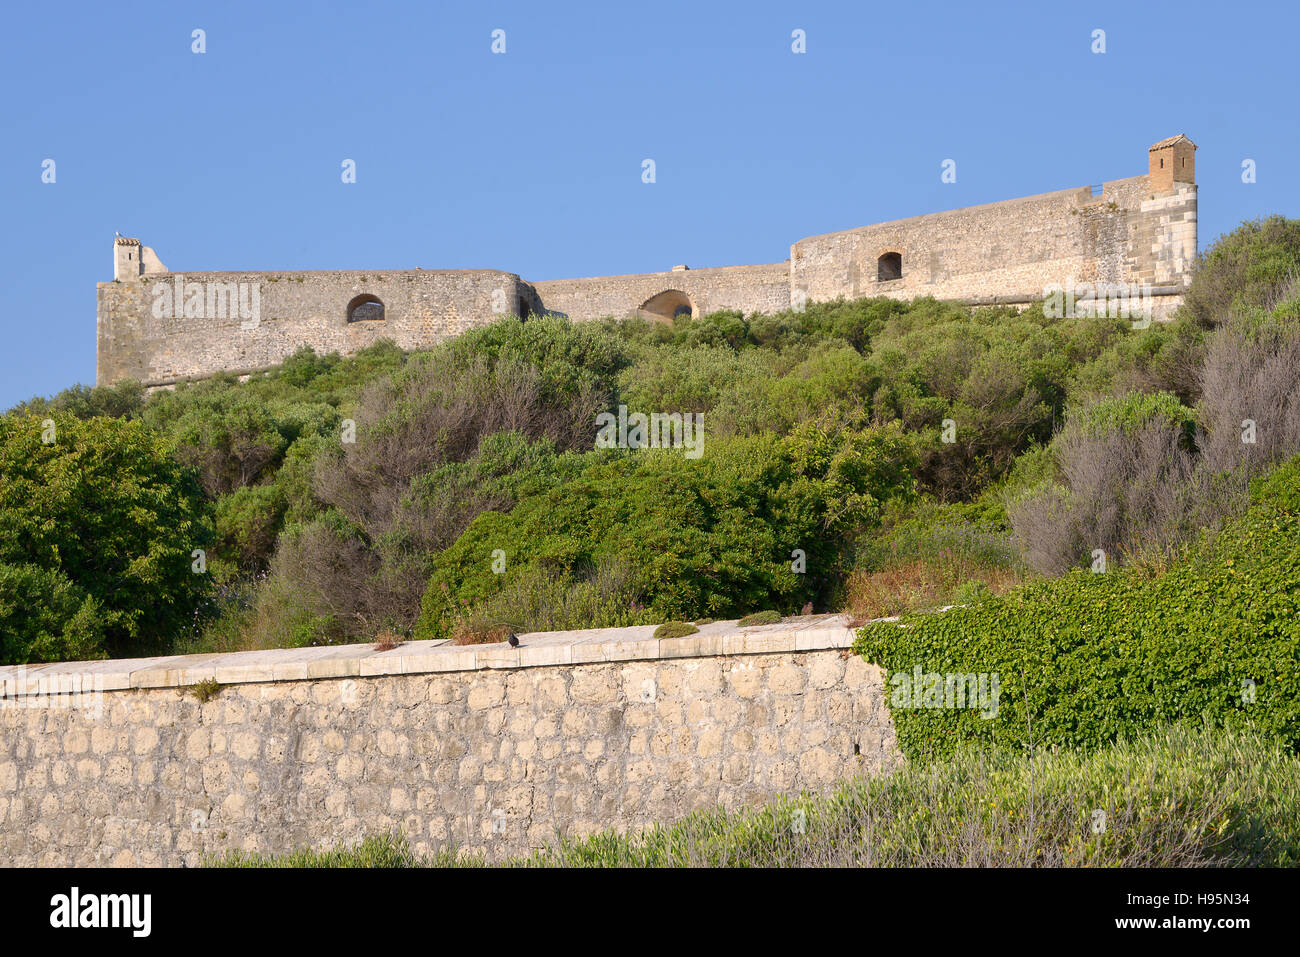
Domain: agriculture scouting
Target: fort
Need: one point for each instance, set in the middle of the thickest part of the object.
(1135, 231)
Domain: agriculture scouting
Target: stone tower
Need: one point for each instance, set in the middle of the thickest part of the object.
(1171, 161)
(132, 259)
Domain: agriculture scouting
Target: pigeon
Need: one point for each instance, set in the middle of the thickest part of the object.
(807, 609)
(514, 640)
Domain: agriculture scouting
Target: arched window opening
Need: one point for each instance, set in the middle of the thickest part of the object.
(668, 306)
(889, 267)
(365, 308)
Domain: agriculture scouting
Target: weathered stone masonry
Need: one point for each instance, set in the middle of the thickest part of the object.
(484, 748)
(1136, 230)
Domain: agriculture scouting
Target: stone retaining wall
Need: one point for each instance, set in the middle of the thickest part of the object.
(486, 748)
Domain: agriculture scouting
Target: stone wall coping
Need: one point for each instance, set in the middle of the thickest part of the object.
(674, 275)
(315, 273)
(1056, 195)
(536, 649)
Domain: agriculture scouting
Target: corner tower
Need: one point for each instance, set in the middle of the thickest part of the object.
(132, 259)
(1162, 238)
(1171, 161)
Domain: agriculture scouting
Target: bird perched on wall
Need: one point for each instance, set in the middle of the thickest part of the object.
(514, 640)
(807, 609)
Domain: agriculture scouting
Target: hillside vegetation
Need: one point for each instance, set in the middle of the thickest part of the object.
(875, 456)
(1087, 658)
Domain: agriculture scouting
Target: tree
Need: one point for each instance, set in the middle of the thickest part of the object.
(98, 532)
(1245, 269)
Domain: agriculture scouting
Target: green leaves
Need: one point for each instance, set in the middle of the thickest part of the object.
(97, 530)
(45, 617)
(711, 536)
(1089, 657)
(1243, 270)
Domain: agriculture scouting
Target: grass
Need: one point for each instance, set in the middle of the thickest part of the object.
(205, 690)
(675, 629)
(1178, 798)
(479, 630)
(920, 586)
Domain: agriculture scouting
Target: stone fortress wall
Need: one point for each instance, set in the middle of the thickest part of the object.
(1136, 230)
(486, 748)
(294, 309)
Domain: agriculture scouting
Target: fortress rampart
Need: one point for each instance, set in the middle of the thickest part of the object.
(486, 748)
(159, 329)
(294, 309)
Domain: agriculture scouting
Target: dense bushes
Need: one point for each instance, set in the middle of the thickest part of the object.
(1139, 475)
(1164, 357)
(494, 416)
(992, 383)
(44, 616)
(485, 439)
(319, 539)
(97, 528)
(1087, 658)
(972, 390)
(1250, 386)
(1244, 271)
(718, 537)
(1126, 466)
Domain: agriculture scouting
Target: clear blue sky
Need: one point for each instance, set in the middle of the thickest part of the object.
(531, 161)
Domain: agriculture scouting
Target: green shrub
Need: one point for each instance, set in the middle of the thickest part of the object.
(1243, 270)
(1133, 412)
(675, 629)
(971, 593)
(112, 523)
(248, 523)
(534, 600)
(45, 617)
(124, 399)
(1128, 484)
(970, 535)
(1164, 357)
(205, 690)
(1087, 658)
(712, 536)
(760, 618)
